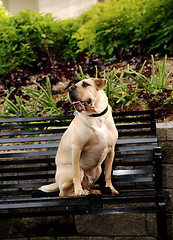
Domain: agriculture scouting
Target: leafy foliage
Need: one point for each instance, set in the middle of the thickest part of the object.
(124, 90)
(115, 28)
(117, 24)
(43, 103)
(24, 37)
(154, 84)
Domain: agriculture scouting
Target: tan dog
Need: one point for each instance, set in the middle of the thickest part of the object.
(87, 143)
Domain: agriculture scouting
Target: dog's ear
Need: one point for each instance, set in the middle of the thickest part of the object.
(100, 83)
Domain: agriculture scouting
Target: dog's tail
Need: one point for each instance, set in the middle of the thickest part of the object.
(53, 187)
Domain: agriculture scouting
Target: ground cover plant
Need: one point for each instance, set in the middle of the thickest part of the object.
(126, 90)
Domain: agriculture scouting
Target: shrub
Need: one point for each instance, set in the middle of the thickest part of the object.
(154, 29)
(66, 45)
(24, 38)
(4, 15)
(108, 29)
(117, 24)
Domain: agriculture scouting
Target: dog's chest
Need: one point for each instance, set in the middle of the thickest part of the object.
(99, 145)
(101, 134)
(96, 150)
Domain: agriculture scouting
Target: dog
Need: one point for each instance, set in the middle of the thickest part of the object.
(87, 143)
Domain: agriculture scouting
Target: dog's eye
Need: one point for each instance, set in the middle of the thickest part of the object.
(89, 101)
(84, 84)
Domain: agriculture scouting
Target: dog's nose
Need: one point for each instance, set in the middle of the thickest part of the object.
(72, 88)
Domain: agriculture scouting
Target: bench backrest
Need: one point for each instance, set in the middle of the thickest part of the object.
(28, 147)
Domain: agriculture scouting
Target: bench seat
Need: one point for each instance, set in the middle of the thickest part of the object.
(27, 161)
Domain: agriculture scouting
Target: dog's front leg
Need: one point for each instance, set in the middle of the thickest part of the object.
(108, 170)
(78, 173)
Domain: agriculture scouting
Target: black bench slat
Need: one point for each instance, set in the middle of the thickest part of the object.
(24, 185)
(33, 132)
(74, 202)
(132, 172)
(34, 161)
(36, 119)
(133, 126)
(27, 177)
(135, 187)
(54, 196)
(132, 119)
(120, 163)
(135, 133)
(41, 125)
(136, 148)
(27, 169)
(29, 146)
(134, 155)
(55, 145)
(128, 164)
(28, 154)
(30, 126)
(133, 180)
(136, 140)
(134, 113)
(30, 139)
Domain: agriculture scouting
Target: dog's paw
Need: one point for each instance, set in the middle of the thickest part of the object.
(81, 192)
(114, 191)
(95, 191)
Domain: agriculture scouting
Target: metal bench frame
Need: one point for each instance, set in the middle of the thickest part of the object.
(27, 152)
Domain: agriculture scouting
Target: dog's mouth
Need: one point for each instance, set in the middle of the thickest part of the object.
(75, 101)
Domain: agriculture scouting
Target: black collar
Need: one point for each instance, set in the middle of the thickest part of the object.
(99, 114)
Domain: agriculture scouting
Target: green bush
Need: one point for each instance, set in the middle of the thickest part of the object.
(154, 28)
(4, 15)
(66, 45)
(25, 37)
(103, 29)
(113, 24)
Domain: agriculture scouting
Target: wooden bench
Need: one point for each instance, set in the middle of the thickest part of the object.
(27, 152)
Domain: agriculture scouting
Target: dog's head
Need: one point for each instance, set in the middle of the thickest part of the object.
(84, 95)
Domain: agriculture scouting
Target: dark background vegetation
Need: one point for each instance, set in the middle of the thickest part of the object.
(112, 32)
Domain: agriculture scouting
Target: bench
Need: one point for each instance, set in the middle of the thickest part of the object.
(27, 152)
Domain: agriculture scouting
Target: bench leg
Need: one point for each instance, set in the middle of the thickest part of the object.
(162, 232)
